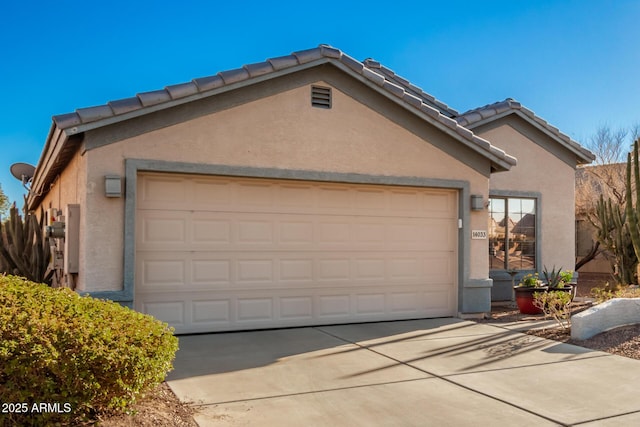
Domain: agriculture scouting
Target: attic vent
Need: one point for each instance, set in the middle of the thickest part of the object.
(320, 97)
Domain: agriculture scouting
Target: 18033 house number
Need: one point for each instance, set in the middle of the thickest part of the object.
(478, 234)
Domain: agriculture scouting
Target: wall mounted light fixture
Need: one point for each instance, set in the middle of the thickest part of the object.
(477, 202)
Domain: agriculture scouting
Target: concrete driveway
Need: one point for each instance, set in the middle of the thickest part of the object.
(440, 372)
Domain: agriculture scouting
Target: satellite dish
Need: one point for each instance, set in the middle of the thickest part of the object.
(23, 172)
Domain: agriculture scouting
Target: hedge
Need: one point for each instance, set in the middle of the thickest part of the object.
(78, 355)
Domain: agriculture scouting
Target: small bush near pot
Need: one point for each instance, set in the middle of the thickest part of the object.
(78, 355)
(531, 280)
(555, 304)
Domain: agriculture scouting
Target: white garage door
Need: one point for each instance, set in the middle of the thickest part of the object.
(223, 253)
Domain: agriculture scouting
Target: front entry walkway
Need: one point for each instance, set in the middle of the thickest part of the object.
(410, 373)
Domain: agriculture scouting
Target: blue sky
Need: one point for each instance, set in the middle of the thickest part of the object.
(575, 63)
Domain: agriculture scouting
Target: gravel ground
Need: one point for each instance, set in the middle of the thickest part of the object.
(623, 341)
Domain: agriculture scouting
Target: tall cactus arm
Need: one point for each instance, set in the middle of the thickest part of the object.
(631, 214)
(631, 210)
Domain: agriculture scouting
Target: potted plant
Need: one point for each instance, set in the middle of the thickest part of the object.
(559, 280)
(529, 285)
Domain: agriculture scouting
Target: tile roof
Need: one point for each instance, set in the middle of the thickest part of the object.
(65, 133)
(410, 87)
(488, 113)
(372, 71)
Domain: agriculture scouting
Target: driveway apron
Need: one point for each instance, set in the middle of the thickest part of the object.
(412, 373)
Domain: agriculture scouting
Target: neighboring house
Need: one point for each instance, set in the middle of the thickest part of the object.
(306, 189)
(591, 182)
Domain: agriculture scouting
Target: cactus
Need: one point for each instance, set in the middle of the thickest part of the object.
(24, 250)
(633, 211)
(612, 231)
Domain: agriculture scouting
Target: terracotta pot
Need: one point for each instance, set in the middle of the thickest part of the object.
(524, 299)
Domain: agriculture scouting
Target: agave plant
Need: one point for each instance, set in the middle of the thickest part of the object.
(554, 278)
(24, 250)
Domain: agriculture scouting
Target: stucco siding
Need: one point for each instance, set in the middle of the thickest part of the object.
(540, 171)
(279, 131)
(70, 188)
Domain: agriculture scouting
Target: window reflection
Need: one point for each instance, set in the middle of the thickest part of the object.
(512, 233)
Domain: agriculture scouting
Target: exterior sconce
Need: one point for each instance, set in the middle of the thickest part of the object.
(112, 186)
(477, 202)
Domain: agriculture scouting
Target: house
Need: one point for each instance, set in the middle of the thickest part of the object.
(608, 181)
(307, 189)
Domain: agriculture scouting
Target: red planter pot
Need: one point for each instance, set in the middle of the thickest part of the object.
(524, 299)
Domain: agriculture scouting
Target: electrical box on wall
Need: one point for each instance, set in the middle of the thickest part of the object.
(51, 216)
(72, 239)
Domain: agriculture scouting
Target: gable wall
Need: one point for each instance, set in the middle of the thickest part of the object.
(279, 131)
(542, 168)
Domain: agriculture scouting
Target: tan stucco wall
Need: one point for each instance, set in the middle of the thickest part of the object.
(539, 170)
(281, 131)
(70, 188)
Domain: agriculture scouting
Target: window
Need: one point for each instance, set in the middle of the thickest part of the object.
(512, 233)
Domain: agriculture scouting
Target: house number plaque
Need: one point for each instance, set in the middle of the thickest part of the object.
(478, 234)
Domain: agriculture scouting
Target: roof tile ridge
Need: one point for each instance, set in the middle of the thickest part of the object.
(407, 83)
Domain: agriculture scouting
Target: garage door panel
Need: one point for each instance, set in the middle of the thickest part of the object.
(211, 271)
(296, 231)
(334, 270)
(370, 269)
(212, 195)
(299, 270)
(211, 312)
(296, 307)
(255, 269)
(208, 231)
(163, 273)
(333, 306)
(159, 228)
(255, 232)
(197, 312)
(255, 309)
(198, 231)
(406, 302)
(172, 312)
(251, 253)
(254, 196)
(439, 268)
(371, 200)
(163, 191)
(439, 204)
(369, 304)
(299, 197)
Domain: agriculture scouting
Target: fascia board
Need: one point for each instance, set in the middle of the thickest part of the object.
(536, 125)
(53, 146)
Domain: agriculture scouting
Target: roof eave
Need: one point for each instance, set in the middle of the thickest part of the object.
(499, 159)
(583, 156)
(499, 162)
(80, 128)
(55, 156)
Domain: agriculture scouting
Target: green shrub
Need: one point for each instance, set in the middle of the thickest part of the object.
(83, 354)
(555, 304)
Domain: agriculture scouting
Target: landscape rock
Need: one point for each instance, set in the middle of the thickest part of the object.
(608, 315)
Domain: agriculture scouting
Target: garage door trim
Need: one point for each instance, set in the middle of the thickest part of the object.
(134, 166)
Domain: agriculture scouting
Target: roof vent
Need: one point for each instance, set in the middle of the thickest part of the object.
(320, 97)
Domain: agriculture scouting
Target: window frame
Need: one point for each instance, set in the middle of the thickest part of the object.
(536, 197)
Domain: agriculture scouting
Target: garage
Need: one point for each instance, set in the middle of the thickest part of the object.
(218, 253)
